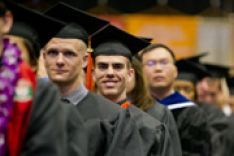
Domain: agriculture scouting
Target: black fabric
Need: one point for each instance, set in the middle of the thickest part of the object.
(23, 30)
(154, 134)
(230, 83)
(226, 146)
(164, 115)
(70, 14)
(73, 31)
(115, 131)
(46, 27)
(193, 130)
(111, 131)
(113, 41)
(2, 9)
(216, 70)
(190, 71)
(112, 48)
(217, 124)
(55, 129)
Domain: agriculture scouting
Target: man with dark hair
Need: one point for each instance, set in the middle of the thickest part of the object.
(159, 67)
(113, 50)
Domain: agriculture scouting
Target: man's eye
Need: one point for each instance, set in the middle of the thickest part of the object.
(151, 63)
(52, 53)
(118, 66)
(102, 66)
(164, 62)
(69, 54)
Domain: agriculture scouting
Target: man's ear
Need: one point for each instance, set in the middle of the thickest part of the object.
(8, 22)
(42, 53)
(93, 75)
(131, 73)
(176, 72)
(85, 60)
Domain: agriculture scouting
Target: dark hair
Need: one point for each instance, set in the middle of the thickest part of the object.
(3, 8)
(140, 95)
(31, 52)
(155, 46)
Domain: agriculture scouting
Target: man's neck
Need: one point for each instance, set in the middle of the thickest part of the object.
(115, 99)
(161, 93)
(66, 89)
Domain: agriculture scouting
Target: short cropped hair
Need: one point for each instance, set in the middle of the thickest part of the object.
(155, 46)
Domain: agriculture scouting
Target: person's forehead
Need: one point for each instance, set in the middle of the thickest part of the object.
(158, 53)
(64, 43)
(111, 59)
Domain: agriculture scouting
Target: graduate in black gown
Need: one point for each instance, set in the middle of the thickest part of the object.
(112, 55)
(111, 130)
(51, 130)
(159, 67)
(191, 71)
(138, 93)
(55, 128)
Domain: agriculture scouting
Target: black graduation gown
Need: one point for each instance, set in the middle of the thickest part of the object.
(192, 124)
(155, 135)
(226, 146)
(164, 115)
(55, 129)
(194, 131)
(111, 130)
(116, 131)
(217, 123)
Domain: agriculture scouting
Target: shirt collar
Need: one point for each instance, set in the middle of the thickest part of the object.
(77, 96)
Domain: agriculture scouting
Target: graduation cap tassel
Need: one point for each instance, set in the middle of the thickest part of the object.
(89, 80)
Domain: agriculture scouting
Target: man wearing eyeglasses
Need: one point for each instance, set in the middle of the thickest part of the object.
(159, 68)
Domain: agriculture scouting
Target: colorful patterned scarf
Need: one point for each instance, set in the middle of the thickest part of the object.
(9, 74)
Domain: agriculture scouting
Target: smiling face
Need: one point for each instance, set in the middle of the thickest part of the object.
(111, 75)
(64, 60)
(159, 69)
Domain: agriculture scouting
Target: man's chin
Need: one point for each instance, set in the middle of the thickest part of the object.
(109, 93)
(59, 81)
(159, 86)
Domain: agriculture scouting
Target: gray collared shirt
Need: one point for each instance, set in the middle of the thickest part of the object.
(76, 96)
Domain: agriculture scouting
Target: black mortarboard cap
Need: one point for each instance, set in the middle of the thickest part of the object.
(74, 31)
(113, 41)
(216, 70)
(196, 58)
(148, 39)
(2, 8)
(46, 27)
(191, 71)
(23, 30)
(230, 83)
(87, 24)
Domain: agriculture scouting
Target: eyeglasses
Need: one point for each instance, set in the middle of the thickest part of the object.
(162, 63)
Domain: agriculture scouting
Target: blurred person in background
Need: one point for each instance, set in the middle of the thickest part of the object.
(158, 62)
(213, 89)
(139, 95)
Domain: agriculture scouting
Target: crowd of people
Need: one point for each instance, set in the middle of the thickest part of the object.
(73, 84)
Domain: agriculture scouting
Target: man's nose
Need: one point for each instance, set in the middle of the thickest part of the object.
(60, 59)
(110, 70)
